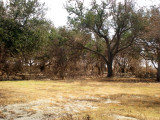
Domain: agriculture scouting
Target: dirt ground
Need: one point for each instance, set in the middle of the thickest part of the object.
(79, 100)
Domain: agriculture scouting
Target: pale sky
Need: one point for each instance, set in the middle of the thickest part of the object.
(58, 14)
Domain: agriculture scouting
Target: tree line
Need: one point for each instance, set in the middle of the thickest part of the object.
(109, 37)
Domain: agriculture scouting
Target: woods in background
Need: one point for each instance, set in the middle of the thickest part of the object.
(107, 39)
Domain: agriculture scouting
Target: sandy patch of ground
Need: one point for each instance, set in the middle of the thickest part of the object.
(121, 117)
(45, 109)
(51, 109)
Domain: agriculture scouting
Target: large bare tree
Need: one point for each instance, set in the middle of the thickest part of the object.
(116, 23)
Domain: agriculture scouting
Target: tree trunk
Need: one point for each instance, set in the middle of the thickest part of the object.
(158, 71)
(110, 70)
(123, 69)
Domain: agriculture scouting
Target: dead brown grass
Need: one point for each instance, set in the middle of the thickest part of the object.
(2, 115)
(31, 111)
(139, 100)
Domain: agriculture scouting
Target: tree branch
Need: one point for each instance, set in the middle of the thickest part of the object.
(96, 53)
(123, 48)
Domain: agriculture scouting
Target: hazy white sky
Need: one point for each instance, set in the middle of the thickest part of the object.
(58, 14)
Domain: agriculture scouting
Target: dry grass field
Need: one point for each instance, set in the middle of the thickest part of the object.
(79, 100)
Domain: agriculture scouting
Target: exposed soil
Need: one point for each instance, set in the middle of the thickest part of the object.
(50, 108)
(45, 109)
